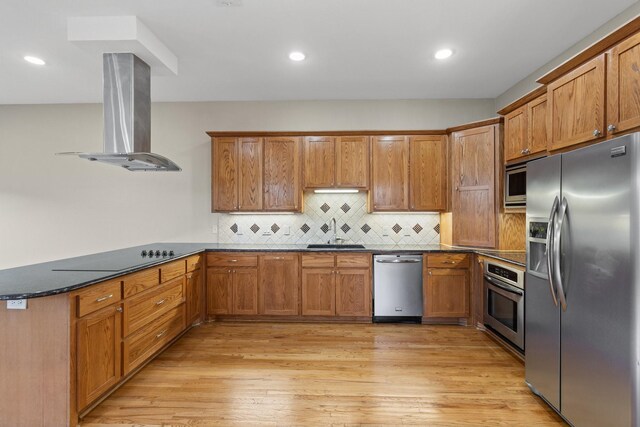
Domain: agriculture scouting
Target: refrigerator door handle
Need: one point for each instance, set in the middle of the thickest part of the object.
(550, 230)
(556, 254)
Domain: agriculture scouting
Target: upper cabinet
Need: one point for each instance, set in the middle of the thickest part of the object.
(390, 173)
(428, 173)
(473, 159)
(255, 174)
(282, 190)
(576, 112)
(525, 130)
(336, 162)
(623, 86)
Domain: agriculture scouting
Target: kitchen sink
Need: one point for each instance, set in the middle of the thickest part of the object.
(336, 246)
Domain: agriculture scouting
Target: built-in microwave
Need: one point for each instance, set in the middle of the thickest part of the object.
(515, 186)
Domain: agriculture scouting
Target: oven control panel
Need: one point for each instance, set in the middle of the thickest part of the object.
(504, 273)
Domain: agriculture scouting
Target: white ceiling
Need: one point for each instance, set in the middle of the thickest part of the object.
(356, 49)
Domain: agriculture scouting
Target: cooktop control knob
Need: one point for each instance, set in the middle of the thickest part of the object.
(171, 253)
(157, 253)
(164, 253)
(144, 252)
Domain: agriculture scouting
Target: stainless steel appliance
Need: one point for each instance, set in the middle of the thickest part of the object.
(515, 186)
(397, 288)
(504, 302)
(582, 305)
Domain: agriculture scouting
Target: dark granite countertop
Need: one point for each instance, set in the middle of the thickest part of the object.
(56, 277)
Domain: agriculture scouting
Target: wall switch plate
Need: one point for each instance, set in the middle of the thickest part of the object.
(17, 304)
(287, 230)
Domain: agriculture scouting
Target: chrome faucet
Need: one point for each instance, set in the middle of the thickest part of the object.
(336, 239)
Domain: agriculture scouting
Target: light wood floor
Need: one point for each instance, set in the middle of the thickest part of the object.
(322, 374)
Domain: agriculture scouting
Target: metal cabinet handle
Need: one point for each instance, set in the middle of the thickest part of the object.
(522, 151)
(162, 301)
(526, 151)
(119, 309)
(611, 127)
(161, 333)
(278, 257)
(448, 262)
(597, 133)
(233, 260)
(104, 298)
(430, 273)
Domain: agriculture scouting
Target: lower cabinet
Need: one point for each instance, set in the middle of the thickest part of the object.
(279, 283)
(338, 288)
(446, 287)
(194, 289)
(98, 367)
(232, 284)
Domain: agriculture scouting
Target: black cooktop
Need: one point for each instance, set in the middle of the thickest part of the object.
(124, 260)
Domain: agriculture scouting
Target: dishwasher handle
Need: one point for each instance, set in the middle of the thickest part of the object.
(398, 261)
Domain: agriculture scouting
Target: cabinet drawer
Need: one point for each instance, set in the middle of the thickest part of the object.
(448, 260)
(172, 270)
(231, 260)
(138, 347)
(193, 263)
(145, 308)
(99, 296)
(140, 281)
(353, 260)
(318, 260)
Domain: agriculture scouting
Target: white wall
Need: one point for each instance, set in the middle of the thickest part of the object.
(527, 84)
(54, 207)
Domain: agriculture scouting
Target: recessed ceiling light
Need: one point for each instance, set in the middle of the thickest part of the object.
(443, 53)
(297, 56)
(34, 60)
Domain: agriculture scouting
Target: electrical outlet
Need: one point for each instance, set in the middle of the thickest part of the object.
(287, 230)
(17, 304)
(267, 233)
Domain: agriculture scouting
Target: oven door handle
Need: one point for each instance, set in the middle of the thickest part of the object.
(504, 287)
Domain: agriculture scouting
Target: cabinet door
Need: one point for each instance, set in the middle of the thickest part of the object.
(473, 205)
(99, 337)
(245, 291)
(318, 292)
(390, 177)
(352, 162)
(279, 284)
(282, 174)
(428, 173)
(576, 105)
(219, 291)
(623, 86)
(537, 128)
(516, 134)
(194, 297)
(319, 162)
(353, 292)
(250, 174)
(224, 164)
(446, 293)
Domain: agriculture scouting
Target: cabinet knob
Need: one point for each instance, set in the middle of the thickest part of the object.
(611, 127)
(597, 133)
(119, 309)
(429, 272)
(522, 151)
(526, 151)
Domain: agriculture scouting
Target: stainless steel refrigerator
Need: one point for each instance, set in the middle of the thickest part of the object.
(582, 305)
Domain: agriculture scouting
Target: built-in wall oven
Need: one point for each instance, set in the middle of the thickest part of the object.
(504, 302)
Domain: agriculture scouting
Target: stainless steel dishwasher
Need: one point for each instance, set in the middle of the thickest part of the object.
(397, 288)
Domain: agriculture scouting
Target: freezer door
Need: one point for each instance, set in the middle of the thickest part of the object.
(542, 316)
(598, 367)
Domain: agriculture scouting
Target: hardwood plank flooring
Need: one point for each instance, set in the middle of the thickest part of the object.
(281, 374)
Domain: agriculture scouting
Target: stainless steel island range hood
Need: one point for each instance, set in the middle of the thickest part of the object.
(127, 116)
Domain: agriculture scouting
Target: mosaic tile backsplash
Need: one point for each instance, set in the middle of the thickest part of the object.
(314, 225)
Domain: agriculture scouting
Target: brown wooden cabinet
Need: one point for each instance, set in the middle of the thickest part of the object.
(219, 290)
(538, 135)
(576, 110)
(336, 285)
(525, 130)
(516, 133)
(446, 291)
(98, 353)
(279, 284)
(428, 173)
(232, 284)
(282, 190)
(236, 174)
(194, 289)
(474, 186)
(336, 162)
(623, 86)
(390, 173)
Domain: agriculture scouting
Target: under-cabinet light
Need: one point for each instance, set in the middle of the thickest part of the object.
(336, 190)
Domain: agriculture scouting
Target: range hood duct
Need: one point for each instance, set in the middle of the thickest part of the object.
(127, 116)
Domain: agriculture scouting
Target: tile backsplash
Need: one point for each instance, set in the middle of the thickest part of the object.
(314, 225)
